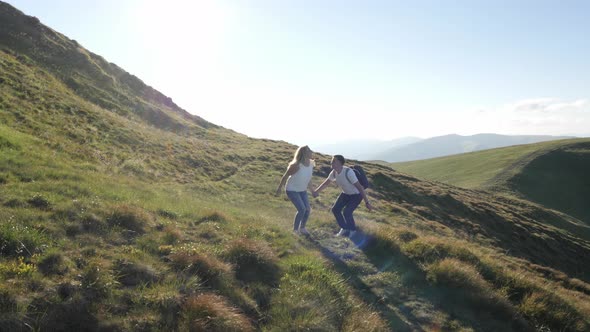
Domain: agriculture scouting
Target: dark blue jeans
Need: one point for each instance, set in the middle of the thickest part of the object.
(299, 199)
(348, 203)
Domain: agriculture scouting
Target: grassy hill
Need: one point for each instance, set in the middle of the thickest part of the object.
(553, 174)
(121, 212)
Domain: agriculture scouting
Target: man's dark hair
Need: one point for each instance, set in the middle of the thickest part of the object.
(340, 158)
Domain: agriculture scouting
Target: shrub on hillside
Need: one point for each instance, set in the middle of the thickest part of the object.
(210, 312)
(131, 218)
(254, 261)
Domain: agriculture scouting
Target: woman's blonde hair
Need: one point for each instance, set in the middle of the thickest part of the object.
(300, 155)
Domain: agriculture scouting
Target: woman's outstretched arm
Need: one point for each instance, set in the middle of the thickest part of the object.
(292, 169)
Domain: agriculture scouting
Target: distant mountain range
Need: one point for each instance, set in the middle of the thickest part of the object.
(363, 149)
(413, 148)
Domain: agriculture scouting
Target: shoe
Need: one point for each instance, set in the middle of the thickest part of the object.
(352, 233)
(303, 231)
(296, 232)
(343, 232)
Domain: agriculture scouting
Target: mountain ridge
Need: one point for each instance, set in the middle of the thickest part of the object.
(88, 74)
(456, 144)
(362, 149)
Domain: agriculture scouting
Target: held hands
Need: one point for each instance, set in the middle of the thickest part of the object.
(314, 193)
(369, 206)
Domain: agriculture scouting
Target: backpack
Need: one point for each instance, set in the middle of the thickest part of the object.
(360, 175)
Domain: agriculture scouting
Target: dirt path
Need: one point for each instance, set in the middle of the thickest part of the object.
(397, 288)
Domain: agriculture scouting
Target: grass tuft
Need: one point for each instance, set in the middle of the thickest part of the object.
(53, 262)
(172, 235)
(131, 218)
(72, 315)
(454, 273)
(431, 249)
(96, 282)
(547, 310)
(133, 273)
(19, 240)
(210, 312)
(312, 298)
(91, 223)
(7, 300)
(15, 203)
(40, 202)
(168, 214)
(215, 216)
(254, 261)
(213, 272)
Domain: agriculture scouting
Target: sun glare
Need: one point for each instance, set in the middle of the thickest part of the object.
(195, 29)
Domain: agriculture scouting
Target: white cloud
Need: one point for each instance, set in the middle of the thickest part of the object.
(539, 116)
(546, 105)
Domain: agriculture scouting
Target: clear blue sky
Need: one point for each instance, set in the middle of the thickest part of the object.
(326, 71)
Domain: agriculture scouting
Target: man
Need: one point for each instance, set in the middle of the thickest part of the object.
(352, 195)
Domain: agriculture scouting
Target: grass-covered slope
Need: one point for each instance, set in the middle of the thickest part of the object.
(558, 179)
(112, 221)
(89, 75)
(553, 174)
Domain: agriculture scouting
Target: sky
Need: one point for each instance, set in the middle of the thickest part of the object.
(317, 72)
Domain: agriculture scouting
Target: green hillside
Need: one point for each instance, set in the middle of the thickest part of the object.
(122, 212)
(550, 173)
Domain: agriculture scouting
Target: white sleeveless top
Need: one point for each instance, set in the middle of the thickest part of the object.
(301, 178)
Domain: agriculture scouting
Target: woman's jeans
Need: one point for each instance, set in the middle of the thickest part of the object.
(349, 203)
(299, 199)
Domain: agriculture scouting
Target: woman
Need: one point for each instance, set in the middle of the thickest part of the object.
(350, 198)
(298, 179)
